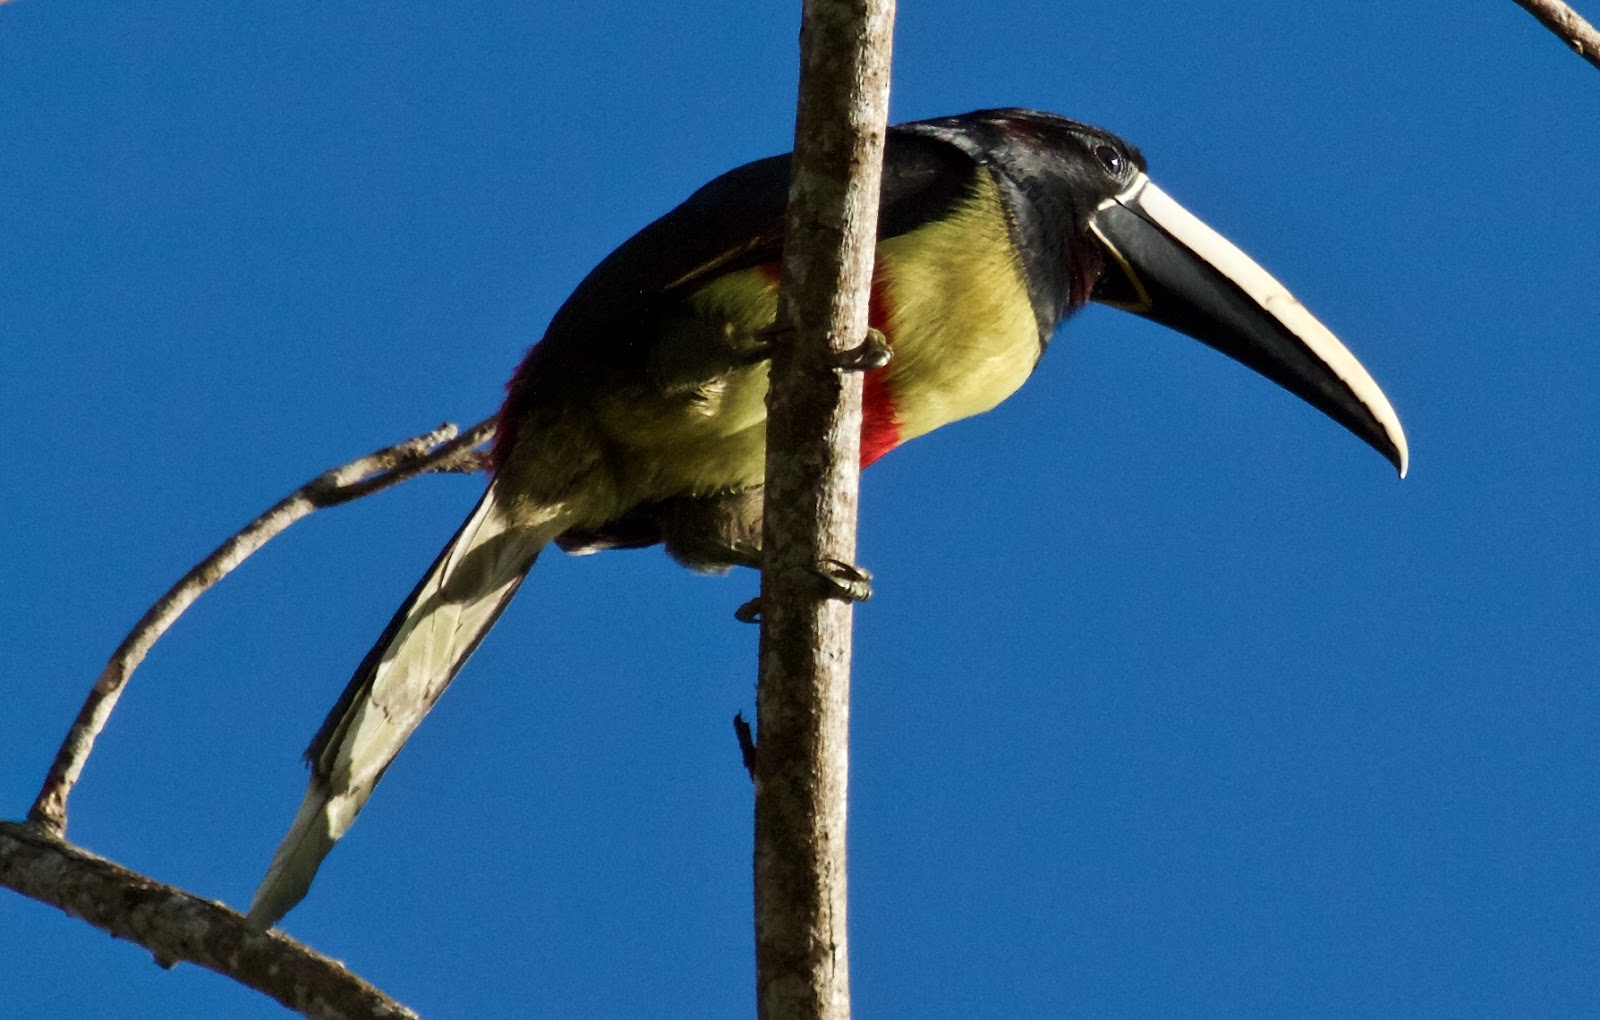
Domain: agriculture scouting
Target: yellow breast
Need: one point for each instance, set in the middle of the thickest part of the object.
(957, 311)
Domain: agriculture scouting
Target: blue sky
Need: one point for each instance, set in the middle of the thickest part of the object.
(1172, 699)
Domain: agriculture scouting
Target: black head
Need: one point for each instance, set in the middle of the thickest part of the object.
(1090, 162)
(1053, 174)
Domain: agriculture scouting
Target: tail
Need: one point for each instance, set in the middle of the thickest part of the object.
(420, 652)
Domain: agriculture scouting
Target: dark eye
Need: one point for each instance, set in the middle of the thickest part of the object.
(1110, 158)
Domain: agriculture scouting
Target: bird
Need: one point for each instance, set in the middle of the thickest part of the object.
(639, 416)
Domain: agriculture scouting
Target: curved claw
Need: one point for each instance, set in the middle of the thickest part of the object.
(843, 580)
(874, 352)
(836, 579)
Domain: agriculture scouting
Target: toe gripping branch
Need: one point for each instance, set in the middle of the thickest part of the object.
(835, 579)
(841, 580)
(872, 353)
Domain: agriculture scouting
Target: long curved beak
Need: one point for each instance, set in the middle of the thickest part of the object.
(1167, 266)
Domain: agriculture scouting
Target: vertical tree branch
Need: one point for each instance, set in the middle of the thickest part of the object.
(813, 457)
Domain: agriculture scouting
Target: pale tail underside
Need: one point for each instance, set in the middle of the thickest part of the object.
(426, 643)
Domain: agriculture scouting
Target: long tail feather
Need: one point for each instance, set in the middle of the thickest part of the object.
(417, 656)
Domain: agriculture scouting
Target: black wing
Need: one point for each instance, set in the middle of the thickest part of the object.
(735, 222)
(732, 223)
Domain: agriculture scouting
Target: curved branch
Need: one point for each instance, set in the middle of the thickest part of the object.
(1568, 24)
(437, 451)
(177, 927)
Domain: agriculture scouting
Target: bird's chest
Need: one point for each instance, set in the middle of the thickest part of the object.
(949, 296)
(951, 299)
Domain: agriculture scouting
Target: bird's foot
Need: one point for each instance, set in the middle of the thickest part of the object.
(835, 579)
(841, 580)
(874, 352)
(758, 346)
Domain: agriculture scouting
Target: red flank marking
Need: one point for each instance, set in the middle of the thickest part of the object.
(880, 427)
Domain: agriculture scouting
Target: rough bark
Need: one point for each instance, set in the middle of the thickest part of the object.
(1568, 25)
(813, 443)
(177, 927)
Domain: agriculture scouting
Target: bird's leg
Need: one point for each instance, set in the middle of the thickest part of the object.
(689, 351)
(759, 347)
(713, 533)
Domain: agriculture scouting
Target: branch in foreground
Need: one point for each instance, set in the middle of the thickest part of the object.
(436, 451)
(1568, 24)
(812, 482)
(177, 927)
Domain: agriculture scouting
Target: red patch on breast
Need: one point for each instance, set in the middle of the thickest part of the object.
(880, 432)
(880, 429)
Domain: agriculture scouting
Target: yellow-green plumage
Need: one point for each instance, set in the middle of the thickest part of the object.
(949, 295)
(958, 314)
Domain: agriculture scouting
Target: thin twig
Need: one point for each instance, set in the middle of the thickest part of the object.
(178, 927)
(812, 481)
(747, 744)
(436, 451)
(1568, 24)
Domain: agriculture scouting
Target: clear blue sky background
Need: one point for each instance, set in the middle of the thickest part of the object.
(1172, 699)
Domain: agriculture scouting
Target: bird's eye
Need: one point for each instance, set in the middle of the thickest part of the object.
(1110, 158)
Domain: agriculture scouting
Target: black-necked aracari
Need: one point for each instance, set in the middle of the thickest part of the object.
(640, 416)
